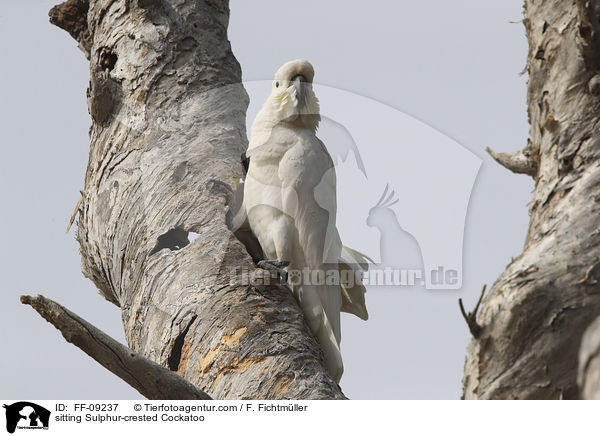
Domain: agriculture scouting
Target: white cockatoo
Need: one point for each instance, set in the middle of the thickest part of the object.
(290, 204)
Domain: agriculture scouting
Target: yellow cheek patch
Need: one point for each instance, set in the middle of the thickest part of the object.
(282, 100)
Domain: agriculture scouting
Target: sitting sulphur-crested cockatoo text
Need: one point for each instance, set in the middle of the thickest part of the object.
(290, 202)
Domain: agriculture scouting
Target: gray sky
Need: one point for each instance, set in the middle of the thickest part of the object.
(453, 65)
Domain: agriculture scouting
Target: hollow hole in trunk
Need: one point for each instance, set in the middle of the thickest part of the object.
(107, 59)
(174, 239)
(175, 356)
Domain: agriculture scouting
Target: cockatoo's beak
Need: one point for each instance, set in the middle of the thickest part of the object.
(300, 85)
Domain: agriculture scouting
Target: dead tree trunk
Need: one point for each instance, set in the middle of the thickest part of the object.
(168, 131)
(536, 312)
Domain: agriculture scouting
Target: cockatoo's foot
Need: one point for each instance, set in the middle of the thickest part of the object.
(277, 267)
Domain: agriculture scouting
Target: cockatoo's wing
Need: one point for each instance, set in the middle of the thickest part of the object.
(240, 217)
(308, 192)
(309, 196)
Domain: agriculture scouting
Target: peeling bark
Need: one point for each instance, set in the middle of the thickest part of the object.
(535, 314)
(168, 130)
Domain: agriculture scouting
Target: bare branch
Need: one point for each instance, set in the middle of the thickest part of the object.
(72, 17)
(75, 212)
(153, 381)
(471, 317)
(519, 162)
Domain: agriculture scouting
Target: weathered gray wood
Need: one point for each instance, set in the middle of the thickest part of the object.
(148, 378)
(534, 315)
(168, 131)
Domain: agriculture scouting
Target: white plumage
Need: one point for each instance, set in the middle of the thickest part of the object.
(290, 202)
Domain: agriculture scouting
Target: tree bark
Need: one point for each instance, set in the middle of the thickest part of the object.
(535, 314)
(168, 112)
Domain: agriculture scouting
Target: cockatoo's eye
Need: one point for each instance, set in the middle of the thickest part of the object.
(276, 84)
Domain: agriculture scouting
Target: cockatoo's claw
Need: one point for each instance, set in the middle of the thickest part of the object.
(277, 267)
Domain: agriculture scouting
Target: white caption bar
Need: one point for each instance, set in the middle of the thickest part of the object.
(45, 417)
